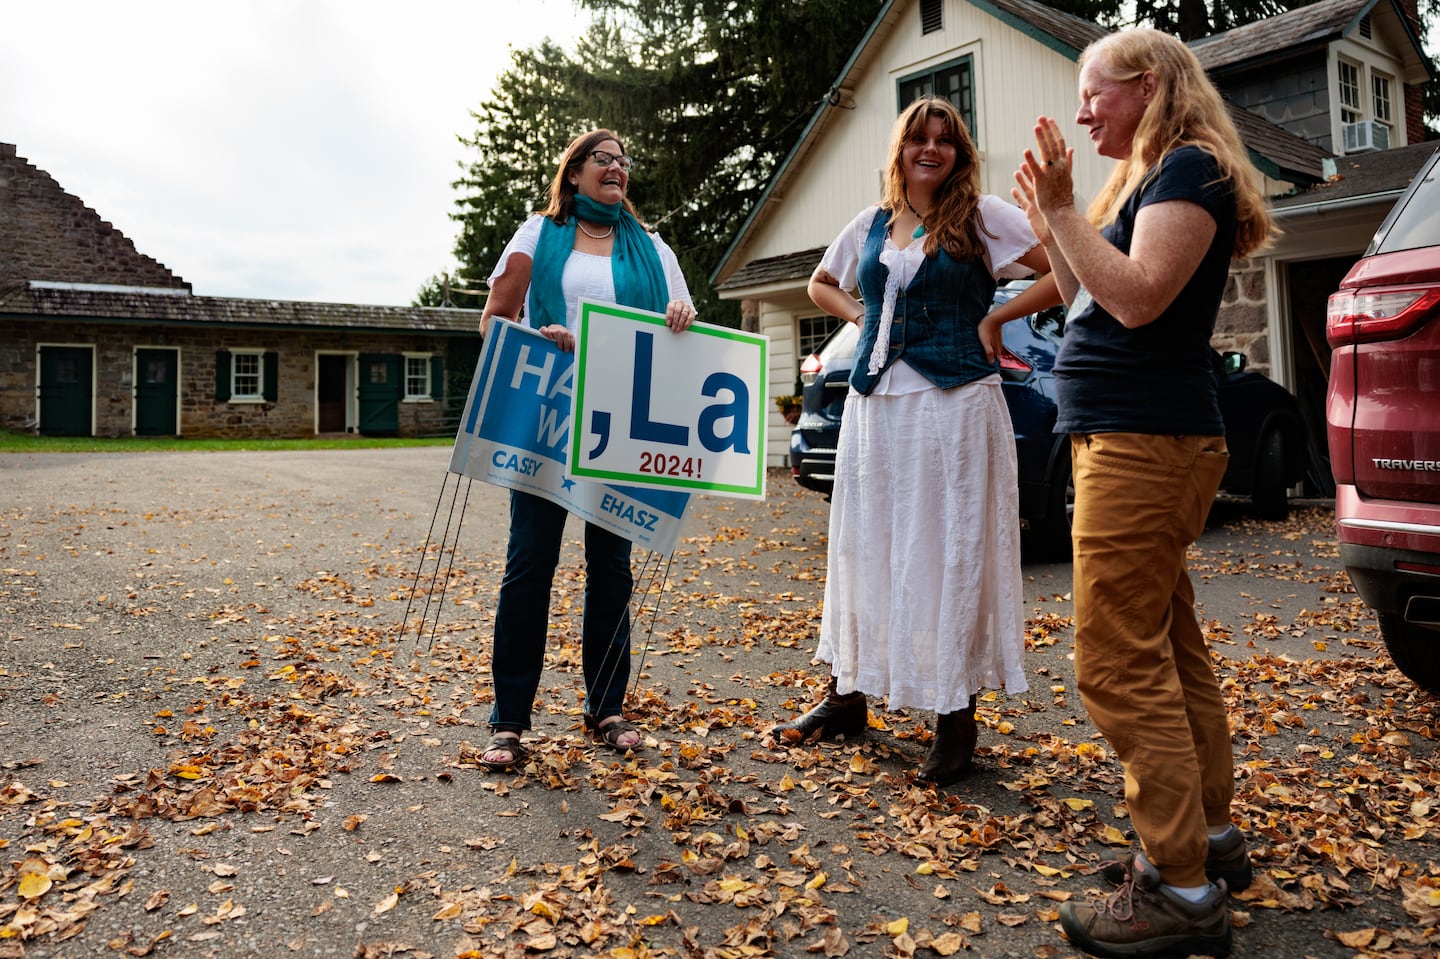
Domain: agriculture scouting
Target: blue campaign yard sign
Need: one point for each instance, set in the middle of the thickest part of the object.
(514, 433)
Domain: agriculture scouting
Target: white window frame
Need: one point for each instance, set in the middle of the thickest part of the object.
(819, 326)
(1382, 98)
(423, 360)
(964, 66)
(1349, 76)
(238, 395)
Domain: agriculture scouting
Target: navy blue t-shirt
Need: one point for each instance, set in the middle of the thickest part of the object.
(1158, 378)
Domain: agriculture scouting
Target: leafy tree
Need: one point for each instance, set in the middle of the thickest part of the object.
(1429, 12)
(1192, 19)
(520, 130)
(709, 96)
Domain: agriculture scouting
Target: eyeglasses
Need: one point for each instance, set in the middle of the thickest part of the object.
(603, 158)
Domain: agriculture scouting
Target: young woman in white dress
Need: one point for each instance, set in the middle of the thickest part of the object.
(923, 594)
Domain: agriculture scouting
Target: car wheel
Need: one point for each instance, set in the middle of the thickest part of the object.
(1049, 539)
(1413, 648)
(1271, 493)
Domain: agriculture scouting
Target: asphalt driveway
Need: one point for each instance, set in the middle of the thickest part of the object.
(216, 740)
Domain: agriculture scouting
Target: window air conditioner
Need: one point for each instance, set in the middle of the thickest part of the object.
(1365, 136)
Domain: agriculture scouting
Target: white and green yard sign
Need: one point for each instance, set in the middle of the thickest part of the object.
(679, 411)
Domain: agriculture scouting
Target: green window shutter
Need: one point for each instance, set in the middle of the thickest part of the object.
(437, 377)
(271, 387)
(222, 375)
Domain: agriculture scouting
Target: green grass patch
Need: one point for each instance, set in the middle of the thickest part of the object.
(30, 443)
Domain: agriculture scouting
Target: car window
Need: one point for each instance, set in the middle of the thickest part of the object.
(1049, 322)
(838, 352)
(1412, 223)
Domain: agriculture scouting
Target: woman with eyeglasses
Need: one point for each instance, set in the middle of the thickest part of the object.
(923, 592)
(586, 242)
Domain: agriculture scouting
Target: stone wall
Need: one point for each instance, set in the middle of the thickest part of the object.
(17, 384)
(201, 414)
(51, 235)
(1243, 324)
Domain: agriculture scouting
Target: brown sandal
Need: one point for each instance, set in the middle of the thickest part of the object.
(611, 728)
(507, 742)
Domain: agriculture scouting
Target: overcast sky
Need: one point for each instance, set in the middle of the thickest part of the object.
(278, 149)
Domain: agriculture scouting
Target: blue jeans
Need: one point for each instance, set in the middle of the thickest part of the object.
(522, 615)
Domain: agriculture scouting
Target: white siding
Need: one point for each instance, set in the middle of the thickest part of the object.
(778, 321)
(1016, 80)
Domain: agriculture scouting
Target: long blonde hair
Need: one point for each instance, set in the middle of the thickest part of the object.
(1185, 110)
(577, 154)
(953, 219)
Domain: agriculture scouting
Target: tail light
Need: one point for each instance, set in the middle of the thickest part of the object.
(1383, 314)
(810, 369)
(1011, 363)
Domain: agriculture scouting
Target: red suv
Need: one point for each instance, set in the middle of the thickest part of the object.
(1382, 415)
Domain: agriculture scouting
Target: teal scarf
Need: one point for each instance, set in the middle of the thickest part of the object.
(639, 277)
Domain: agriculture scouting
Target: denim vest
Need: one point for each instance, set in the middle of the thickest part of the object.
(937, 317)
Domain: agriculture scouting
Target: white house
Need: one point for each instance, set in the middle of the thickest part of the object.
(1300, 84)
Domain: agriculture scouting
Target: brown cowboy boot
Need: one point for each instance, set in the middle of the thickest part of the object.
(835, 715)
(952, 753)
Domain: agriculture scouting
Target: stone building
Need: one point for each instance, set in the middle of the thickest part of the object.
(99, 339)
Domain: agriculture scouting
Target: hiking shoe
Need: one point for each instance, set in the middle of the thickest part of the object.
(1228, 859)
(1142, 919)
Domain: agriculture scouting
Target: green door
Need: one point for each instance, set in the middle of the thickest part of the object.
(381, 383)
(156, 396)
(66, 390)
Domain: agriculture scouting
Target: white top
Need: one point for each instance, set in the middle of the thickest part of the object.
(1013, 239)
(586, 274)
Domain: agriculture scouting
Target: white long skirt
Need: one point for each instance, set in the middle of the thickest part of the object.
(923, 593)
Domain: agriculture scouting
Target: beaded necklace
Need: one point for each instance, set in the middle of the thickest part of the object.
(595, 236)
(919, 230)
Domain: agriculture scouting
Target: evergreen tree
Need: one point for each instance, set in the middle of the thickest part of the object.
(709, 96)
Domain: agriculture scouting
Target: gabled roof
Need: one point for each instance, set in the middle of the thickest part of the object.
(1298, 30)
(74, 302)
(48, 234)
(1062, 32)
(59, 260)
(1277, 152)
(775, 269)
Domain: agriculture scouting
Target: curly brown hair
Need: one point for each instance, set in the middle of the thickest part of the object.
(953, 221)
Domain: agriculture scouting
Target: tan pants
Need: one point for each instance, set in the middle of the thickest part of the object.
(1141, 662)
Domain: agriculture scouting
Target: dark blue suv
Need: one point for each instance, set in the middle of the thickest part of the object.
(1263, 428)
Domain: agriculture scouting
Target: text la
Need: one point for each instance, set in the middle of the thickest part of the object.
(735, 410)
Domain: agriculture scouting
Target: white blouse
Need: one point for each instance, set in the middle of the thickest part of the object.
(1013, 239)
(586, 274)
